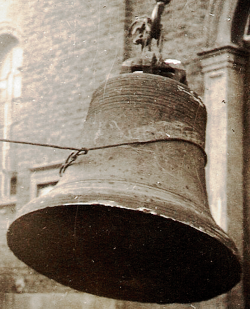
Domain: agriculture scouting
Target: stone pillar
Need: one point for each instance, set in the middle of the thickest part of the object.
(246, 173)
(224, 73)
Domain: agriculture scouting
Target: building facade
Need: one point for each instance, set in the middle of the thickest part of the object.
(54, 54)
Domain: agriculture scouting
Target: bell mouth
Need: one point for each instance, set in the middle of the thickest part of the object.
(124, 254)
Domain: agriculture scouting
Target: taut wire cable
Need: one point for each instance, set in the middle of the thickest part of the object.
(83, 151)
(37, 144)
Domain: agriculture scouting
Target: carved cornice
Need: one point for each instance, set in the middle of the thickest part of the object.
(232, 49)
(226, 56)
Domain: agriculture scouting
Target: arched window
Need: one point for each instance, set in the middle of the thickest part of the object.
(246, 36)
(10, 89)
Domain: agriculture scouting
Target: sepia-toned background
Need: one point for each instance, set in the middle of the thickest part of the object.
(54, 54)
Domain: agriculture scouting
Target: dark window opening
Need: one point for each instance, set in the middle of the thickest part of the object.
(13, 185)
(248, 29)
(45, 188)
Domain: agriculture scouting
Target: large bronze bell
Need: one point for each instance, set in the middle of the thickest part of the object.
(132, 222)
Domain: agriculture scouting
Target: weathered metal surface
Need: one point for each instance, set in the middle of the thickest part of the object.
(144, 29)
(133, 222)
(148, 62)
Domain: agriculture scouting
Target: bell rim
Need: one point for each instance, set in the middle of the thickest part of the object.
(235, 260)
(120, 200)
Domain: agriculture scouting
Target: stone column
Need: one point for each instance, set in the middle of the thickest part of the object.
(224, 73)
